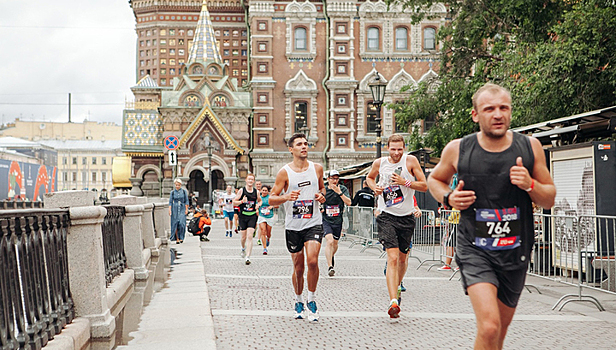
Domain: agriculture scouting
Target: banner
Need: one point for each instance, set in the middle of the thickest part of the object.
(26, 181)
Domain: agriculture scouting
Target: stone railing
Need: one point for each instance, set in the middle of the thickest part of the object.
(71, 260)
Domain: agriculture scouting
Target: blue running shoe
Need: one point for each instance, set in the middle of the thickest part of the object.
(268, 243)
(402, 287)
(313, 313)
(299, 311)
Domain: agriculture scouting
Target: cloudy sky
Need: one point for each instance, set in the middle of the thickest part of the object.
(50, 48)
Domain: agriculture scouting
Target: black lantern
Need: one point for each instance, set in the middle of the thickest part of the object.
(377, 87)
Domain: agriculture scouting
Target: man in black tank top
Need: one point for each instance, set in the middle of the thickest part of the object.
(249, 201)
(500, 174)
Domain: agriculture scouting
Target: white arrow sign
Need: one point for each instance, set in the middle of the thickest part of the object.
(173, 158)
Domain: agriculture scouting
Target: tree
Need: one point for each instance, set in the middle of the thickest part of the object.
(545, 51)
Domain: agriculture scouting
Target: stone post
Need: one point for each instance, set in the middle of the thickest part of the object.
(136, 190)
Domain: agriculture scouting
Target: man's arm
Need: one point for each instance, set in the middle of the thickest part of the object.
(412, 165)
(344, 195)
(280, 184)
(371, 178)
(320, 197)
(236, 200)
(542, 189)
(438, 183)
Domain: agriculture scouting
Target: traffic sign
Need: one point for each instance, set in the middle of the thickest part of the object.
(173, 158)
(171, 142)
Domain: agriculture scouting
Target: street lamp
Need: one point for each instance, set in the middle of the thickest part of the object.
(209, 147)
(377, 87)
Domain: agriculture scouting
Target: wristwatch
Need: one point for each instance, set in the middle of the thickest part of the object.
(446, 199)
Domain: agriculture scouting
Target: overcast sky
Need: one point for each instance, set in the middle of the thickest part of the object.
(49, 48)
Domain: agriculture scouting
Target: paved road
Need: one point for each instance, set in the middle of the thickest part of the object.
(251, 306)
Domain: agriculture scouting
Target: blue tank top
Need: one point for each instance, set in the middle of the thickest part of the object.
(264, 210)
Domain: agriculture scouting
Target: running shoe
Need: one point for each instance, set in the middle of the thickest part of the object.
(243, 253)
(399, 295)
(394, 310)
(206, 239)
(299, 311)
(331, 272)
(267, 245)
(230, 234)
(258, 242)
(264, 251)
(385, 269)
(402, 287)
(247, 261)
(444, 268)
(313, 313)
(227, 234)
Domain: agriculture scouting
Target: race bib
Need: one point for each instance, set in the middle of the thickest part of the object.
(303, 209)
(393, 195)
(332, 210)
(265, 211)
(497, 229)
(249, 206)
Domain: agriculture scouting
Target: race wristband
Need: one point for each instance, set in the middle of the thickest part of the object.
(532, 186)
(408, 183)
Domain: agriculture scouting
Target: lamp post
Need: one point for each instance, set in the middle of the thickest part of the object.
(209, 147)
(377, 87)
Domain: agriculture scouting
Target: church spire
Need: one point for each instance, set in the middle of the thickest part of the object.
(204, 43)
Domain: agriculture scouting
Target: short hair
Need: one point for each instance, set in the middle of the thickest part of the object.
(395, 138)
(491, 87)
(250, 174)
(177, 180)
(296, 136)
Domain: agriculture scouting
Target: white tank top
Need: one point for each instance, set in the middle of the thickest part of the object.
(395, 200)
(304, 212)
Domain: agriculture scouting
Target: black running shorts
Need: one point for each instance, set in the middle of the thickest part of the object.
(296, 239)
(333, 229)
(247, 221)
(509, 283)
(395, 231)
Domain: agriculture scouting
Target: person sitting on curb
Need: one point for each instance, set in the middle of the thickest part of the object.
(204, 225)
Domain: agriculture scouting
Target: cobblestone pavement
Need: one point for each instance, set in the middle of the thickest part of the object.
(252, 305)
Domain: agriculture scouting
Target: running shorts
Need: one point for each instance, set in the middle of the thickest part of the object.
(333, 229)
(479, 268)
(247, 221)
(296, 239)
(269, 221)
(395, 231)
(228, 214)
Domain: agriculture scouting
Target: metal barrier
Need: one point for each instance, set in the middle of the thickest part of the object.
(35, 298)
(359, 225)
(113, 242)
(450, 220)
(427, 237)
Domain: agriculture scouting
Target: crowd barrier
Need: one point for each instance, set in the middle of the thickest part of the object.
(426, 238)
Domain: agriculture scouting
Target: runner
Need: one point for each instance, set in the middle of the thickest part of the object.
(336, 196)
(226, 202)
(302, 181)
(266, 218)
(399, 176)
(248, 201)
(236, 215)
(256, 233)
(500, 174)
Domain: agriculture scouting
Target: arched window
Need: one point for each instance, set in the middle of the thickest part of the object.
(300, 38)
(373, 39)
(301, 117)
(401, 38)
(429, 39)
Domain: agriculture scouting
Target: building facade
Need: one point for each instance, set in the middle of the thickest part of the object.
(42, 130)
(274, 68)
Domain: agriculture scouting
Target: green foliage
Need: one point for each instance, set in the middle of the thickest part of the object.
(556, 57)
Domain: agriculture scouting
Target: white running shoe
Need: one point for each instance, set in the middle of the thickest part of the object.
(313, 313)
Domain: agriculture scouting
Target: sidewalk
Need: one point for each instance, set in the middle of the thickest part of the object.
(223, 304)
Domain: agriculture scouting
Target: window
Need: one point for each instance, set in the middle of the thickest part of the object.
(401, 38)
(74, 161)
(94, 176)
(93, 160)
(104, 161)
(262, 119)
(429, 39)
(65, 160)
(300, 38)
(341, 119)
(371, 118)
(65, 176)
(301, 117)
(263, 139)
(84, 161)
(373, 39)
(428, 123)
(74, 176)
(104, 176)
(84, 177)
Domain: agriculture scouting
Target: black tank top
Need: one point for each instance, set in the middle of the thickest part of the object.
(248, 208)
(484, 228)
